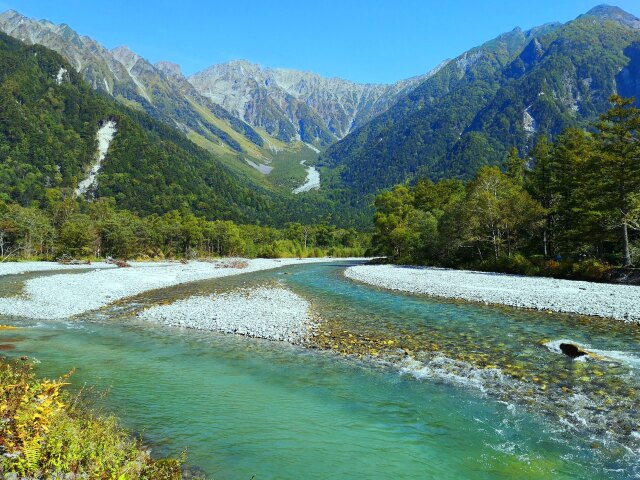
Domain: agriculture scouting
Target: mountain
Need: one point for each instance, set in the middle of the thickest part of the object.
(225, 103)
(53, 125)
(292, 105)
(164, 93)
(134, 81)
(504, 93)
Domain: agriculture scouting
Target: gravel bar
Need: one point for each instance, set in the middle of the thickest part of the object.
(620, 302)
(18, 268)
(65, 295)
(270, 313)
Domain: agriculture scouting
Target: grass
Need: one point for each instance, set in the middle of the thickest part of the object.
(46, 432)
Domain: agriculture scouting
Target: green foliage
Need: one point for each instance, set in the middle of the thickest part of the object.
(493, 215)
(99, 229)
(47, 433)
(579, 203)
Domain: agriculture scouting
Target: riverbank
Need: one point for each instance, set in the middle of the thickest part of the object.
(47, 433)
(67, 295)
(619, 302)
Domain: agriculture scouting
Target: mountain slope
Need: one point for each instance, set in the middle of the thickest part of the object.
(50, 118)
(132, 80)
(163, 92)
(291, 104)
(504, 93)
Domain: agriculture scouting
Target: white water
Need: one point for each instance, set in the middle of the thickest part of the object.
(105, 137)
(312, 182)
(625, 358)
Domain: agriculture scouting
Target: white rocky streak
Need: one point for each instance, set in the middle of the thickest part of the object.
(264, 169)
(105, 137)
(529, 123)
(620, 302)
(270, 313)
(66, 295)
(312, 147)
(312, 182)
(60, 76)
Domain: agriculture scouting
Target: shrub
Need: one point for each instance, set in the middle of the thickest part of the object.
(45, 432)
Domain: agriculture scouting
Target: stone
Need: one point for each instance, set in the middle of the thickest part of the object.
(572, 351)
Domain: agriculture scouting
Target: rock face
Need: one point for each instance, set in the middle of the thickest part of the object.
(291, 104)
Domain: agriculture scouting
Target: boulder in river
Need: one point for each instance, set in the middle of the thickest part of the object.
(571, 350)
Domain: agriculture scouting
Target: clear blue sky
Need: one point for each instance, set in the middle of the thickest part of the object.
(360, 40)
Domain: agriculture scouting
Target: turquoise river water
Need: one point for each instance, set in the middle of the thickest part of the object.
(489, 401)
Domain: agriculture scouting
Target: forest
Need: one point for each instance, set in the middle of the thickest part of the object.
(73, 228)
(570, 207)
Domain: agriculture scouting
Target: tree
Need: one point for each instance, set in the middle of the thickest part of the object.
(539, 184)
(499, 212)
(618, 135)
(394, 212)
(575, 206)
(515, 166)
(77, 236)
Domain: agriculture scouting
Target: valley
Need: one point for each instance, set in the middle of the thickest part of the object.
(214, 267)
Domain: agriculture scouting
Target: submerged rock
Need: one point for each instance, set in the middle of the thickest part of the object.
(572, 351)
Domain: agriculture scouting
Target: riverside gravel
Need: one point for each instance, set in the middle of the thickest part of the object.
(620, 302)
(66, 295)
(18, 268)
(270, 313)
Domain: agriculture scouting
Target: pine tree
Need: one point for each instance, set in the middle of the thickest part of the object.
(619, 159)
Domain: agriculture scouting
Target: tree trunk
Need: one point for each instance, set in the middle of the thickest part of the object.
(625, 244)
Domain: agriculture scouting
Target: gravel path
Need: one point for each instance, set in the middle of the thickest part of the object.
(620, 302)
(64, 295)
(271, 313)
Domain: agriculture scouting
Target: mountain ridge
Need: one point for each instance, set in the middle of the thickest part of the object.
(342, 105)
(507, 92)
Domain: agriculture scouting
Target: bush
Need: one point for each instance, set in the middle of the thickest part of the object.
(45, 433)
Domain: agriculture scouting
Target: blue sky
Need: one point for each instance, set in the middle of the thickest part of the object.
(361, 40)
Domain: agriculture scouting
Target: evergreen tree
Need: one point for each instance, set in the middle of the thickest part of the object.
(619, 158)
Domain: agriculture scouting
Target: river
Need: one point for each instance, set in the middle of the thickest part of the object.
(474, 395)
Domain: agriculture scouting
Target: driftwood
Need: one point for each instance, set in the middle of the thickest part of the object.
(233, 264)
(67, 260)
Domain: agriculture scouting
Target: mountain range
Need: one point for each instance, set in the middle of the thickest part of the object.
(235, 109)
(261, 123)
(505, 93)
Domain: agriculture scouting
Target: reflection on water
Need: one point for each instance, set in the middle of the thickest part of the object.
(245, 407)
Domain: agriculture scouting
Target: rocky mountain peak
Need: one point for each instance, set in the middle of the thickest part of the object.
(616, 14)
(169, 68)
(9, 14)
(126, 56)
